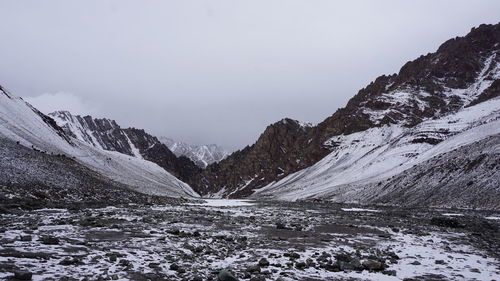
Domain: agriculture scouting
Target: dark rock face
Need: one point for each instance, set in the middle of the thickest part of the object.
(102, 133)
(491, 92)
(50, 122)
(5, 92)
(108, 135)
(153, 150)
(427, 85)
(283, 148)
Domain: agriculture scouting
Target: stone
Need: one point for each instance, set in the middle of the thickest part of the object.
(174, 267)
(153, 265)
(50, 240)
(125, 262)
(69, 261)
(343, 257)
(25, 238)
(372, 265)
(253, 269)
(263, 262)
(225, 275)
(294, 256)
(300, 265)
(23, 275)
(389, 272)
(112, 258)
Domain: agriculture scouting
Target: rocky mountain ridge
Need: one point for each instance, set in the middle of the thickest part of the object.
(108, 135)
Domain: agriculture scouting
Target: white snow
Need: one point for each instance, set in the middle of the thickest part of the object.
(135, 150)
(19, 122)
(453, 215)
(360, 210)
(493, 218)
(224, 203)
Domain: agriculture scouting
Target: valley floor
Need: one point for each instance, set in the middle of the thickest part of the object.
(254, 240)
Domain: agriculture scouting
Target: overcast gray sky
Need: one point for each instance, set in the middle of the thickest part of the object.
(216, 71)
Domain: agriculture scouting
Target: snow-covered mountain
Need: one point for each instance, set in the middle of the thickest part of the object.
(108, 135)
(23, 124)
(364, 166)
(435, 104)
(441, 106)
(202, 155)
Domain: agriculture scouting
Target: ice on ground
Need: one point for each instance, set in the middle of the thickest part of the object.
(224, 203)
(493, 218)
(452, 215)
(359, 210)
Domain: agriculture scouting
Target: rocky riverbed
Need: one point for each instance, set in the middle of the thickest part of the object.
(251, 240)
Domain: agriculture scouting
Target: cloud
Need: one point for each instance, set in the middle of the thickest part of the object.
(50, 102)
(217, 71)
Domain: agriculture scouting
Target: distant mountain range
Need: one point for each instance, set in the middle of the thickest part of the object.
(428, 135)
(201, 155)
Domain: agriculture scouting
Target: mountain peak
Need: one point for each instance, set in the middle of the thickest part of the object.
(201, 155)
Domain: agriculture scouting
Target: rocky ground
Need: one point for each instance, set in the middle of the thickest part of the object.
(252, 240)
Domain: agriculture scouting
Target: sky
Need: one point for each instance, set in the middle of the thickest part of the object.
(216, 71)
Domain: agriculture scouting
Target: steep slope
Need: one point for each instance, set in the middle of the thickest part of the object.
(21, 123)
(108, 135)
(362, 162)
(467, 177)
(33, 179)
(201, 155)
(462, 72)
